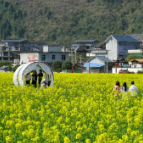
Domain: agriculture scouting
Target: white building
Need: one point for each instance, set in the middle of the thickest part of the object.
(49, 55)
(118, 46)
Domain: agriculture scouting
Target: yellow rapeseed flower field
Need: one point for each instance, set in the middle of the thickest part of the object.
(79, 108)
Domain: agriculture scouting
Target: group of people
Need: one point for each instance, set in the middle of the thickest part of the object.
(133, 89)
(35, 76)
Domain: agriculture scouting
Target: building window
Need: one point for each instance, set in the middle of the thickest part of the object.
(63, 57)
(87, 47)
(16, 48)
(5, 59)
(43, 57)
(11, 59)
(5, 53)
(120, 56)
(53, 57)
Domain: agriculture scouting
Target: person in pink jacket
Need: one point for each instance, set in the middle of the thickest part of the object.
(117, 88)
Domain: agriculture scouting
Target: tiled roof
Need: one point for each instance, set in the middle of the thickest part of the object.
(137, 60)
(122, 38)
(83, 41)
(125, 38)
(137, 36)
(13, 40)
(103, 58)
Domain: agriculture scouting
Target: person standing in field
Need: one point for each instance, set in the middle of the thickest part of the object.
(117, 88)
(28, 78)
(34, 78)
(40, 75)
(133, 89)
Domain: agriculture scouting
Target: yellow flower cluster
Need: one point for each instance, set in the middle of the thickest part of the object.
(79, 108)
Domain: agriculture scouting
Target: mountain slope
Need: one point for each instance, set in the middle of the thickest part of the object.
(62, 21)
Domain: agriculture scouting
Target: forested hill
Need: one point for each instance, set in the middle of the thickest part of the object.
(62, 21)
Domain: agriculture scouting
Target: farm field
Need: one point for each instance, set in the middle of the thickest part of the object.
(79, 108)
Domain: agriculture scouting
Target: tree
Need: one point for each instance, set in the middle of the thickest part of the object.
(15, 67)
(130, 57)
(57, 66)
(3, 48)
(66, 65)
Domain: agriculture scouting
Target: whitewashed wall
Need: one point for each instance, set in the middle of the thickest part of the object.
(135, 70)
(112, 46)
(24, 57)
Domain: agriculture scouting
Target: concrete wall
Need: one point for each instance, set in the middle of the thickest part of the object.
(39, 57)
(24, 57)
(54, 49)
(90, 54)
(111, 45)
(135, 70)
(47, 48)
(135, 51)
(58, 57)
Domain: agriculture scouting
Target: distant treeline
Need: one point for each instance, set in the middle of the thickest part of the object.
(61, 22)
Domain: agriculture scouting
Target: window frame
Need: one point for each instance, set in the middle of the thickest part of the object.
(43, 57)
(53, 57)
(63, 59)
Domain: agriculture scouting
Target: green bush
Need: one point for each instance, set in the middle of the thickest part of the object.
(5, 63)
(129, 72)
(15, 67)
(131, 57)
(66, 65)
(140, 72)
(57, 66)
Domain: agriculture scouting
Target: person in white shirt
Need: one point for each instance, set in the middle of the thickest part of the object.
(44, 83)
(27, 78)
(133, 89)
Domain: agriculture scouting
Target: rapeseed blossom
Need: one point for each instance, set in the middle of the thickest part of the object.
(78, 108)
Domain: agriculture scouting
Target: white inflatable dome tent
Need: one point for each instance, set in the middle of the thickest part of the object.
(23, 69)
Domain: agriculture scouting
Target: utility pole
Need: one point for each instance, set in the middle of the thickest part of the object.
(75, 56)
(107, 59)
(89, 59)
(72, 56)
(80, 59)
(89, 63)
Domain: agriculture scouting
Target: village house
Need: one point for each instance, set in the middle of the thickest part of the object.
(49, 54)
(118, 46)
(10, 49)
(98, 64)
(113, 49)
